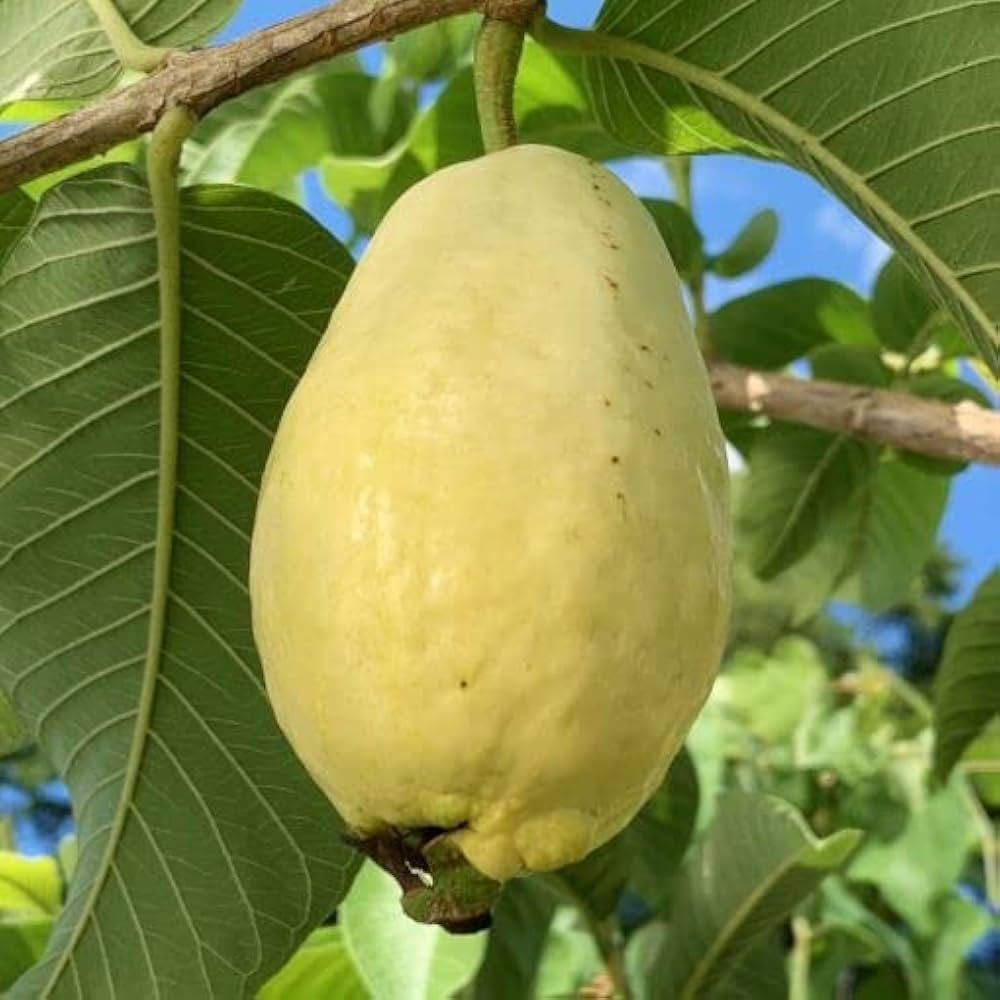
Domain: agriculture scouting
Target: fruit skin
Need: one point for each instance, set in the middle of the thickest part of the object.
(490, 565)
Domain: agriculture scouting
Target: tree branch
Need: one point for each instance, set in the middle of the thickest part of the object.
(963, 432)
(205, 78)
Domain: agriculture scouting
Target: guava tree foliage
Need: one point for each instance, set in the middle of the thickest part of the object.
(810, 839)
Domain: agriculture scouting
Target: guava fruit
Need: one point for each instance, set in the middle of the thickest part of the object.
(490, 563)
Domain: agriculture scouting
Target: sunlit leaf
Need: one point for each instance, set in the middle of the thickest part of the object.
(322, 969)
(861, 95)
(749, 248)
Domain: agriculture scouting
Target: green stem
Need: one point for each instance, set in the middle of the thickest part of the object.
(132, 51)
(989, 840)
(498, 55)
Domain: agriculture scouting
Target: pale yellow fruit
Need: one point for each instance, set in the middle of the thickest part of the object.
(490, 567)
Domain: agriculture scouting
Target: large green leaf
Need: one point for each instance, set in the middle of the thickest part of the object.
(757, 861)
(802, 484)
(891, 105)
(56, 48)
(967, 690)
(205, 853)
(773, 326)
(397, 958)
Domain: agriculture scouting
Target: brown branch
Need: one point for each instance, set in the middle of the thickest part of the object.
(206, 78)
(964, 432)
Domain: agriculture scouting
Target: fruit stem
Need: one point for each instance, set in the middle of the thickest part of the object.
(498, 55)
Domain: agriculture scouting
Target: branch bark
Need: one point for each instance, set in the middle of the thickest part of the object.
(205, 78)
(963, 432)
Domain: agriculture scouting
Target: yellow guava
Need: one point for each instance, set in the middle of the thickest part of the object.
(490, 565)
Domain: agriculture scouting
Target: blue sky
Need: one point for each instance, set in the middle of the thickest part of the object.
(818, 237)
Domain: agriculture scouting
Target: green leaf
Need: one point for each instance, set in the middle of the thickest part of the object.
(13, 735)
(570, 958)
(206, 853)
(905, 318)
(750, 247)
(267, 137)
(919, 868)
(397, 958)
(29, 885)
(801, 481)
(771, 693)
(757, 861)
(516, 941)
(759, 972)
(773, 326)
(967, 687)
(433, 51)
(681, 235)
(896, 532)
(54, 49)
(861, 95)
(959, 923)
(849, 363)
(321, 969)
(15, 214)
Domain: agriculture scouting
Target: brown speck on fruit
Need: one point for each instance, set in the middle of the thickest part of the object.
(615, 460)
(611, 282)
(644, 347)
(607, 402)
(647, 383)
(656, 431)
(463, 684)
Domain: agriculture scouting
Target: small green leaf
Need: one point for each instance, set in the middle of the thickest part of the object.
(516, 941)
(22, 941)
(681, 235)
(757, 861)
(396, 958)
(800, 481)
(967, 688)
(905, 318)
(749, 248)
(321, 969)
(772, 327)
